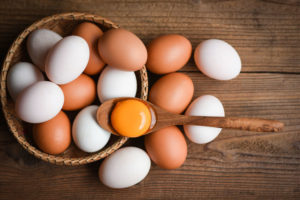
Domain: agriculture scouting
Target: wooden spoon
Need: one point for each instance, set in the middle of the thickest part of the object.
(164, 119)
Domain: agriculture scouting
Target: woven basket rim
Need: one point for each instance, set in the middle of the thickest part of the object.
(58, 159)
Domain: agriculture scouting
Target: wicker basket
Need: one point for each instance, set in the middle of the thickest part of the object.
(62, 24)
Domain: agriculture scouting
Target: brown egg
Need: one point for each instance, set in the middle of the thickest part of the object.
(168, 53)
(53, 136)
(79, 93)
(91, 33)
(167, 147)
(122, 49)
(172, 92)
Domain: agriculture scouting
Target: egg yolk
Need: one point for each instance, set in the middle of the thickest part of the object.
(131, 118)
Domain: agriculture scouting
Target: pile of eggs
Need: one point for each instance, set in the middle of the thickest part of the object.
(59, 79)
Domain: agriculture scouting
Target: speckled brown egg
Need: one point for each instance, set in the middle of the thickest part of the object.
(79, 93)
(91, 33)
(172, 92)
(167, 147)
(122, 49)
(53, 136)
(168, 53)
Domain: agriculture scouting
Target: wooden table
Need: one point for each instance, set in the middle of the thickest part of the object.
(237, 164)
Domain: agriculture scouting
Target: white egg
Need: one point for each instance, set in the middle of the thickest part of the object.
(39, 43)
(115, 83)
(20, 76)
(217, 59)
(67, 59)
(39, 102)
(124, 168)
(206, 105)
(87, 133)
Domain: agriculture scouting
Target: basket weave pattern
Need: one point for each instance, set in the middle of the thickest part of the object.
(63, 24)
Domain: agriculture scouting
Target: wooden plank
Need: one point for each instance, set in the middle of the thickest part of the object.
(236, 165)
(265, 33)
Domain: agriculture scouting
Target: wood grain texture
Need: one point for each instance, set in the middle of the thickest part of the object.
(238, 164)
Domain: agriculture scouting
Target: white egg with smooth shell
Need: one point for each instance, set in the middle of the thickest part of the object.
(67, 59)
(114, 83)
(39, 43)
(20, 76)
(124, 168)
(39, 102)
(217, 59)
(206, 105)
(87, 133)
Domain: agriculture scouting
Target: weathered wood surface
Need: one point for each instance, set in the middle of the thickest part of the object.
(238, 164)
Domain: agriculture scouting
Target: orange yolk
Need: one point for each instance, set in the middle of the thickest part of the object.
(131, 118)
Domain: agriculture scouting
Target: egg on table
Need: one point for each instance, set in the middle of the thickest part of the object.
(91, 33)
(20, 76)
(206, 105)
(172, 92)
(54, 135)
(87, 133)
(122, 49)
(39, 43)
(113, 83)
(39, 102)
(124, 168)
(168, 53)
(167, 147)
(79, 93)
(217, 59)
(67, 59)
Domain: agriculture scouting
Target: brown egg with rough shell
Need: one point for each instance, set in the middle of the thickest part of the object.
(53, 136)
(79, 93)
(91, 33)
(172, 92)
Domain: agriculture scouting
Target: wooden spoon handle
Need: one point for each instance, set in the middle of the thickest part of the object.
(249, 124)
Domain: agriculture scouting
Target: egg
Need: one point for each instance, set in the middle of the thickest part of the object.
(113, 83)
(122, 49)
(20, 76)
(168, 53)
(172, 92)
(87, 133)
(91, 33)
(167, 147)
(124, 168)
(39, 102)
(206, 105)
(39, 43)
(217, 59)
(67, 59)
(79, 93)
(53, 136)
